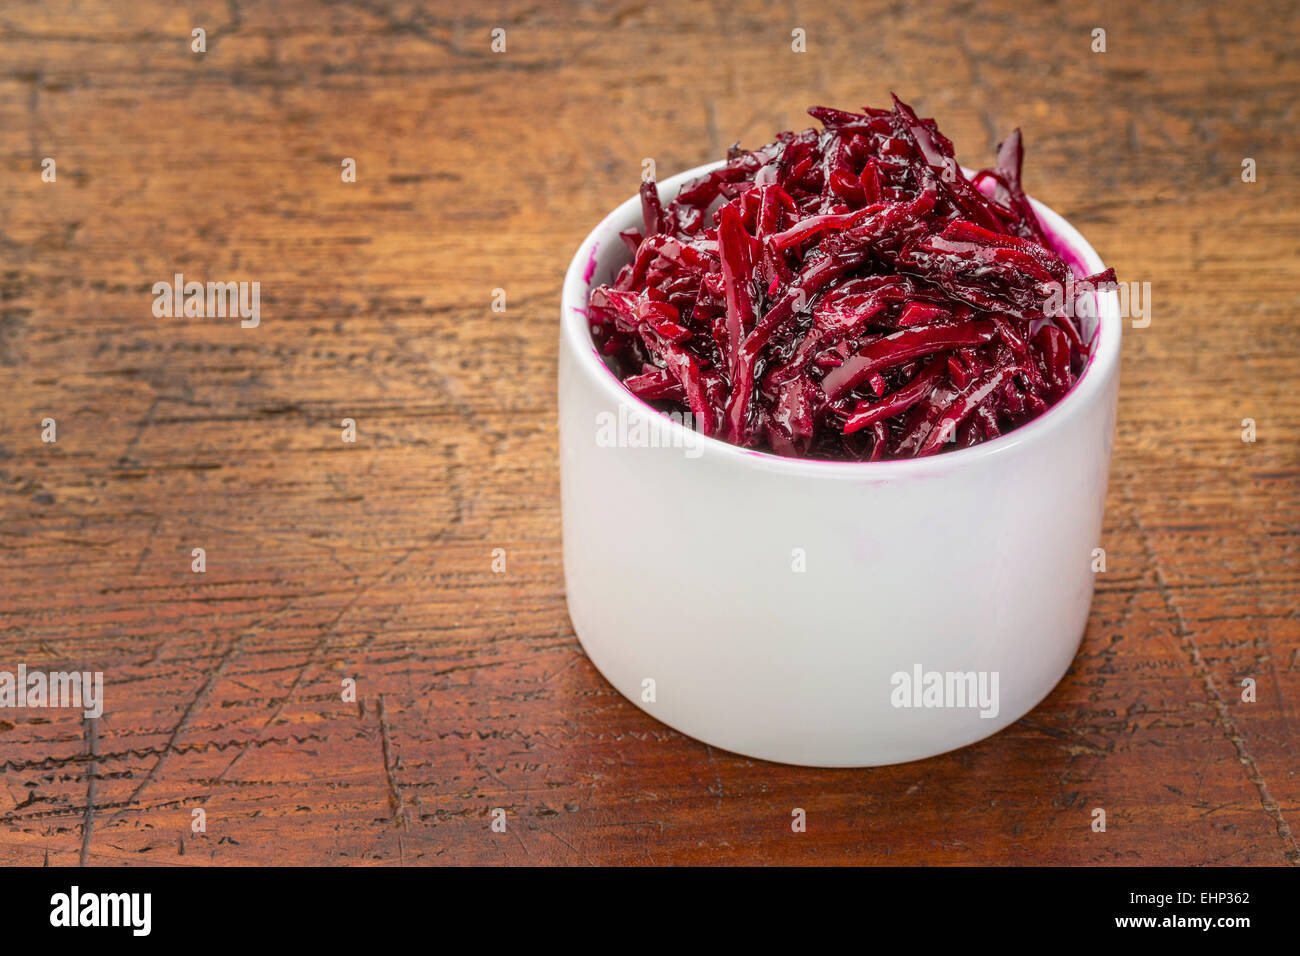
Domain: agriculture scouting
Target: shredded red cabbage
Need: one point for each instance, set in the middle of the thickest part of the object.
(846, 294)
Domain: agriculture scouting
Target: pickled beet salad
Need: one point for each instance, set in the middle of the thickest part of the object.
(846, 294)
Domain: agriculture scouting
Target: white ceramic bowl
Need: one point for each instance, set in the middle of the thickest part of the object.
(681, 560)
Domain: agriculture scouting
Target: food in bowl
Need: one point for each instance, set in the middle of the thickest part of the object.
(848, 294)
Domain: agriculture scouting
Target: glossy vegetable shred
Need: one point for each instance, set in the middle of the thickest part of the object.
(846, 294)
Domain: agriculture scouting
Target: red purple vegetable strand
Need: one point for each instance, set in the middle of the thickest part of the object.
(846, 293)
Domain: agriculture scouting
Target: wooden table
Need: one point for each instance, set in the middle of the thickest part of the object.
(372, 560)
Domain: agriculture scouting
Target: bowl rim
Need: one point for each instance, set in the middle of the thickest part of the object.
(1088, 389)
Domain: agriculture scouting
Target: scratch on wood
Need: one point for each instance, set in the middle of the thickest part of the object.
(92, 771)
(317, 651)
(394, 791)
(1222, 715)
(195, 703)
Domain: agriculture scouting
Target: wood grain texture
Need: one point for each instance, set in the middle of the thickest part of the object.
(372, 560)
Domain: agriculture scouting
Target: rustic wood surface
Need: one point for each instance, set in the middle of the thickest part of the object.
(480, 170)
